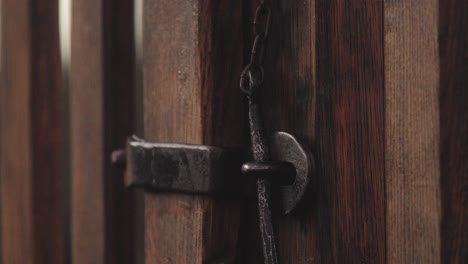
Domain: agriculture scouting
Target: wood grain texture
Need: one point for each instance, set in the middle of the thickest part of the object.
(350, 131)
(32, 172)
(16, 164)
(453, 98)
(121, 208)
(412, 131)
(191, 62)
(47, 105)
(87, 133)
(288, 104)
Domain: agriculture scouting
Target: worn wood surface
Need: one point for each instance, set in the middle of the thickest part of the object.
(121, 208)
(367, 84)
(288, 105)
(453, 99)
(47, 104)
(87, 133)
(412, 132)
(190, 55)
(350, 131)
(16, 164)
(32, 172)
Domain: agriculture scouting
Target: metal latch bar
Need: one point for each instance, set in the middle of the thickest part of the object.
(201, 169)
(182, 167)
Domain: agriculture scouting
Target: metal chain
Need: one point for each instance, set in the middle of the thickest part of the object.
(251, 80)
(253, 74)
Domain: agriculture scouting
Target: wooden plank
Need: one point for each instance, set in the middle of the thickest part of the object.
(32, 172)
(412, 131)
(191, 96)
(104, 213)
(288, 101)
(453, 98)
(350, 132)
(87, 133)
(47, 104)
(16, 163)
(121, 209)
(138, 122)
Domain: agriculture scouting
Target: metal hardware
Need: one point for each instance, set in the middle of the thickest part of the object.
(251, 80)
(261, 28)
(182, 167)
(203, 169)
(206, 169)
(278, 172)
(291, 169)
(119, 158)
(287, 148)
(261, 153)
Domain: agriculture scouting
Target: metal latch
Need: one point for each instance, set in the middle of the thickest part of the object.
(166, 167)
(200, 169)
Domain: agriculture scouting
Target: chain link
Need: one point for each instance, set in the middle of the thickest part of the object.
(253, 74)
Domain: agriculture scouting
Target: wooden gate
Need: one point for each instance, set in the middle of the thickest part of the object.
(377, 89)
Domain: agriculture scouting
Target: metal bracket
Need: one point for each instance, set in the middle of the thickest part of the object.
(288, 148)
(182, 167)
(200, 169)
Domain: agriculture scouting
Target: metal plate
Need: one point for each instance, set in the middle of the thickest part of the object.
(182, 167)
(286, 147)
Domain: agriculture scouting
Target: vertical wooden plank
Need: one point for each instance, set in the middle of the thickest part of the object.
(453, 98)
(412, 131)
(121, 209)
(87, 133)
(288, 100)
(191, 96)
(350, 131)
(104, 213)
(220, 36)
(47, 104)
(138, 122)
(16, 163)
(32, 172)
(172, 114)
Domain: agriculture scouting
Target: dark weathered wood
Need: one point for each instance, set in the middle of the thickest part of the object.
(87, 133)
(350, 132)
(453, 50)
(32, 164)
(288, 105)
(47, 132)
(412, 132)
(191, 61)
(121, 209)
